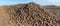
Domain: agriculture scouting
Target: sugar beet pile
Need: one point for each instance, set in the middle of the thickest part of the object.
(30, 14)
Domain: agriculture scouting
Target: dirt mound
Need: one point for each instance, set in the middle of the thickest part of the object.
(30, 14)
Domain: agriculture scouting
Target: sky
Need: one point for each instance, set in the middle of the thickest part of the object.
(41, 2)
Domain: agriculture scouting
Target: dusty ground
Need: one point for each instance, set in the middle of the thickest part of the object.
(3, 17)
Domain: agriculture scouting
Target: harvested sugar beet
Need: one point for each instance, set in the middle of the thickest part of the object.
(30, 14)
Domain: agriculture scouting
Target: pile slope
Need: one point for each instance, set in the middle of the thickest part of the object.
(30, 14)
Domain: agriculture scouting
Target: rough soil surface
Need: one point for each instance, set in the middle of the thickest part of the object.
(30, 14)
